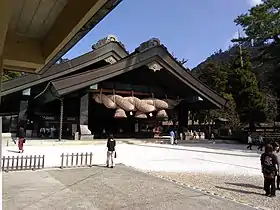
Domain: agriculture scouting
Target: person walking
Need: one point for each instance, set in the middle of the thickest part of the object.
(111, 153)
(261, 143)
(21, 139)
(250, 142)
(172, 136)
(269, 165)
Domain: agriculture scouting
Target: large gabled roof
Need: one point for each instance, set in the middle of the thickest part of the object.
(156, 53)
(111, 49)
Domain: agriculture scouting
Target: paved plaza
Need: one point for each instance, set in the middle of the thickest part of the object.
(102, 188)
(226, 169)
(222, 158)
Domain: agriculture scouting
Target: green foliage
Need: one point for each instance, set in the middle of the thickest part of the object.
(262, 25)
(230, 112)
(243, 86)
(271, 107)
(262, 22)
(238, 84)
(8, 75)
(215, 76)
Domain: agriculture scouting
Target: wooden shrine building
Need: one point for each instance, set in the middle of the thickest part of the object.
(64, 96)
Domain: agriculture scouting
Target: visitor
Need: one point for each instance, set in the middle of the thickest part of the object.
(213, 138)
(276, 152)
(21, 139)
(53, 131)
(111, 153)
(250, 142)
(176, 137)
(261, 142)
(229, 132)
(42, 132)
(269, 163)
(172, 136)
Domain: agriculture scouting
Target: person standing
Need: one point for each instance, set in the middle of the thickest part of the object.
(250, 142)
(172, 136)
(261, 143)
(111, 153)
(276, 152)
(21, 139)
(53, 131)
(213, 138)
(269, 163)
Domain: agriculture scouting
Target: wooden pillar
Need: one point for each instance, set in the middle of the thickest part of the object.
(84, 109)
(183, 117)
(22, 115)
(1, 77)
(61, 120)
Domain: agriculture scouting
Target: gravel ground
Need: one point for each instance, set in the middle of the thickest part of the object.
(244, 189)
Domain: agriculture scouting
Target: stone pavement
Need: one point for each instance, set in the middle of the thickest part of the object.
(102, 188)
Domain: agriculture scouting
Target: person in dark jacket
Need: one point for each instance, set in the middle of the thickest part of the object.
(21, 139)
(111, 144)
(269, 165)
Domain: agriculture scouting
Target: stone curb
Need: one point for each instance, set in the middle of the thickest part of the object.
(206, 192)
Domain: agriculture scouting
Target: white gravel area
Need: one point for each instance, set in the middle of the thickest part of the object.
(242, 188)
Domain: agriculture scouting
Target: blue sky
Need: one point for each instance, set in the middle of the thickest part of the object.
(191, 29)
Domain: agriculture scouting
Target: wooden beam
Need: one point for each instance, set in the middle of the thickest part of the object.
(21, 53)
(123, 92)
(5, 14)
(70, 21)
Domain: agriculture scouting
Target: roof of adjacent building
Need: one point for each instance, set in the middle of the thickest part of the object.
(109, 49)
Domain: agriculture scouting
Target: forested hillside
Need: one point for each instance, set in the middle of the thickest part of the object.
(248, 74)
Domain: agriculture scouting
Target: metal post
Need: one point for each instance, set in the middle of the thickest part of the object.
(61, 119)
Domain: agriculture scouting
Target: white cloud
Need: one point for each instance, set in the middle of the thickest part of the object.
(253, 3)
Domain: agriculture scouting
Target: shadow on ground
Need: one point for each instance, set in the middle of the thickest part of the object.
(238, 191)
(244, 185)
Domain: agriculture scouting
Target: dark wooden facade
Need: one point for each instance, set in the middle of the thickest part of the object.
(64, 93)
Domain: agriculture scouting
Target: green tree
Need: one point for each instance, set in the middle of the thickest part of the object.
(262, 23)
(8, 75)
(243, 85)
(216, 77)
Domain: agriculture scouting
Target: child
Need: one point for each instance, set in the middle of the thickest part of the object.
(269, 163)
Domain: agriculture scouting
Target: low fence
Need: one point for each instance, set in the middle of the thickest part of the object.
(16, 163)
(76, 160)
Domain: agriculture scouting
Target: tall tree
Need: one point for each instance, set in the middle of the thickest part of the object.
(243, 86)
(216, 77)
(262, 23)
